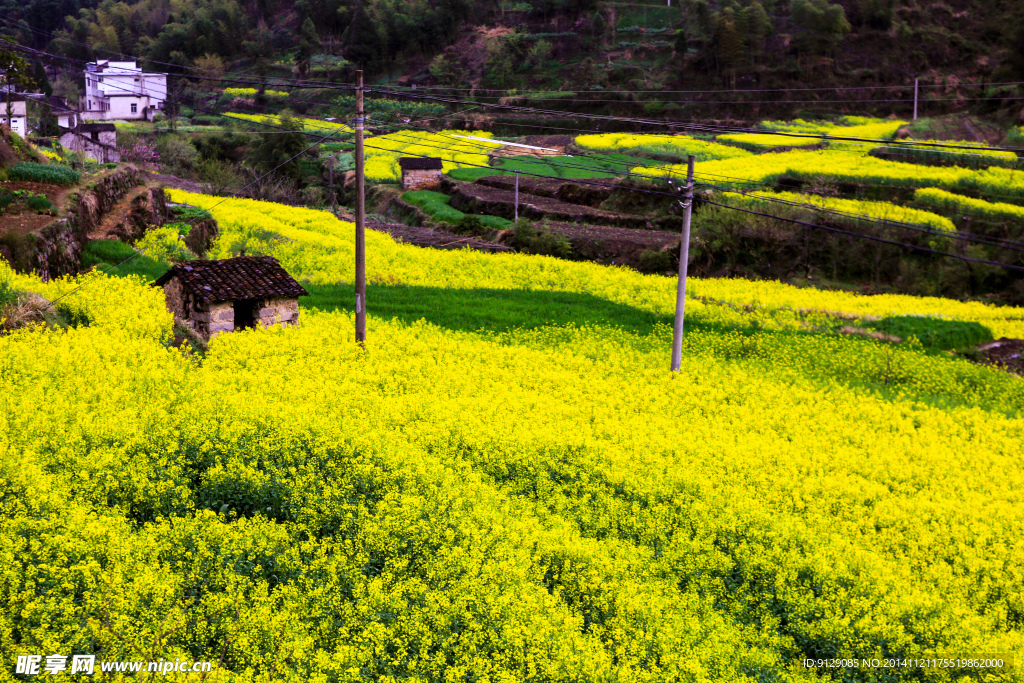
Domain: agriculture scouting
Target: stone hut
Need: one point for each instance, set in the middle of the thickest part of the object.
(232, 294)
(419, 171)
(97, 140)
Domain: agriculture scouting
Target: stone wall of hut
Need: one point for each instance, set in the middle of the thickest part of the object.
(414, 178)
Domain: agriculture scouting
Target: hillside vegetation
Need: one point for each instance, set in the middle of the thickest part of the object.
(577, 47)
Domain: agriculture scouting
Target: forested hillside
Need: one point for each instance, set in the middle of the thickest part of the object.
(567, 45)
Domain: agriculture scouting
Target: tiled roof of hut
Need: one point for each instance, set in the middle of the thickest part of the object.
(420, 163)
(243, 277)
(98, 128)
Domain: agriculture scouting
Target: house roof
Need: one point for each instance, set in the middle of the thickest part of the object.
(420, 163)
(242, 277)
(59, 105)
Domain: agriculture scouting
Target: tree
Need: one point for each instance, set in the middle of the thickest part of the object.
(729, 41)
(16, 73)
(281, 150)
(447, 69)
(818, 16)
(309, 44)
(68, 88)
(211, 67)
(758, 27)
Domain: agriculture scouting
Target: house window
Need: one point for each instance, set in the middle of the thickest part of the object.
(95, 136)
(135, 108)
(89, 107)
(100, 79)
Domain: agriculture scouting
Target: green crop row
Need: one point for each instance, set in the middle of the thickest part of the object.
(436, 205)
(50, 174)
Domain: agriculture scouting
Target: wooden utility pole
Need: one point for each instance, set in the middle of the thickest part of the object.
(684, 258)
(360, 218)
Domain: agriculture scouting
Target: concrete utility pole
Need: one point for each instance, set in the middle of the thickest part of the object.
(684, 257)
(915, 98)
(360, 218)
(517, 196)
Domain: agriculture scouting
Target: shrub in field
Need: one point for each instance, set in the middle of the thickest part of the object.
(472, 225)
(530, 238)
(39, 203)
(44, 173)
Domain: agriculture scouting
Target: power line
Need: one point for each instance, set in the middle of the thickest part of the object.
(681, 124)
(509, 93)
(701, 127)
(956, 234)
(647, 191)
(868, 237)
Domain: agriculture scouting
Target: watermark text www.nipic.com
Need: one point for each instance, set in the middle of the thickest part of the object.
(38, 665)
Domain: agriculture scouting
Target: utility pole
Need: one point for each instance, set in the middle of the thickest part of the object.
(915, 97)
(330, 174)
(517, 196)
(360, 218)
(684, 257)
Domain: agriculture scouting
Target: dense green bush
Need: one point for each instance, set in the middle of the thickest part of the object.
(532, 239)
(50, 174)
(39, 203)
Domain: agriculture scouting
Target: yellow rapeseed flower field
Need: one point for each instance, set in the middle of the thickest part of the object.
(469, 500)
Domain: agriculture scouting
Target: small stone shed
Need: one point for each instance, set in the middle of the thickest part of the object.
(97, 140)
(231, 294)
(418, 171)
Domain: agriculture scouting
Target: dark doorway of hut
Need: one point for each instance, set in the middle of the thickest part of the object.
(245, 313)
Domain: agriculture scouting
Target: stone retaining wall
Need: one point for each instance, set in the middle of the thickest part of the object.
(56, 249)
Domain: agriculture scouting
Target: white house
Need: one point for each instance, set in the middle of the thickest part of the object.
(18, 119)
(120, 90)
(66, 115)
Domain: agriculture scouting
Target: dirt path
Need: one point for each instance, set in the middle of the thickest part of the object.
(117, 214)
(177, 183)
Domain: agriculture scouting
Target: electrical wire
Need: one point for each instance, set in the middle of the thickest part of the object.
(646, 191)
(867, 237)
